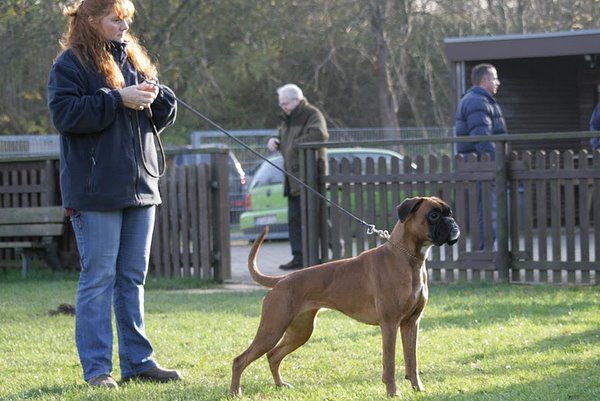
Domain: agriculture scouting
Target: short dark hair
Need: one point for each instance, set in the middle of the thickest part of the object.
(480, 71)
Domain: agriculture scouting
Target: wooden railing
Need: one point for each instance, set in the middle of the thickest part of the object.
(547, 215)
(191, 236)
(547, 223)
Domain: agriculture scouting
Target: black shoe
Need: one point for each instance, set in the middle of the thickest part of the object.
(156, 374)
(292, 265)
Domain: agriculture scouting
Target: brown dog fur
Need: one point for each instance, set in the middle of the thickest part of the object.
(385, 286)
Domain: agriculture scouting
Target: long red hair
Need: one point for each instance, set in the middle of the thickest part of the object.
(92, 50)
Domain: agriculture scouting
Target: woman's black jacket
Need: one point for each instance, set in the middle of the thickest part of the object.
(108, 156)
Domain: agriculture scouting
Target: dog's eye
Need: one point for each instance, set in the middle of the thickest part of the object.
(434, 215)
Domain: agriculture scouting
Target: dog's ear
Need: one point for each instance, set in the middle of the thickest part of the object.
(407, 207)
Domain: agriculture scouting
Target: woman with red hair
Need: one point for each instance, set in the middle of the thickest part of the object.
(108, 114)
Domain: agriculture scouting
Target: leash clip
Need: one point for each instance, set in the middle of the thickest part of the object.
(382, 233)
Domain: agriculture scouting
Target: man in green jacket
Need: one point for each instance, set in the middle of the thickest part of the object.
(302, 122)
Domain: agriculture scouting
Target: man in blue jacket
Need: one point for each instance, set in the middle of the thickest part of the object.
(478, 114)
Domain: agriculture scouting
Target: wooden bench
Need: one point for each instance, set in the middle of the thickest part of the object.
(24, 228)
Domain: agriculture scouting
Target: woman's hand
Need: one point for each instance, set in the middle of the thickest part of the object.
(139, 97)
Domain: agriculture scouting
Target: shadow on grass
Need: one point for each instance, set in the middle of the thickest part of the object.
(36, 274)
(467, 305)
(574, 384)
(45, 392)
(571, 384)
(459, 305)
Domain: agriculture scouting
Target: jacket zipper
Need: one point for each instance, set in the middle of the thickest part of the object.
(135, 122)
(92, 170)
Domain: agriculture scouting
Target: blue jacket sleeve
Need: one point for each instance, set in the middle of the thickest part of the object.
(164, 108)
(73, 110)
(595, 120)
(595, 126)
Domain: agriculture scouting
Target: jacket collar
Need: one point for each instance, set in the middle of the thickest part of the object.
(297, 110)
(479, 90)
(118, 52)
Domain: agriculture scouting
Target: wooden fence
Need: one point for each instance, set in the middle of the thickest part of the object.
(547, 218)
(555, 223)
(191, 236)
(192, 231)
(28, 182)
(547, 224)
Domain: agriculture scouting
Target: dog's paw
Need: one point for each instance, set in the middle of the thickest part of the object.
(284, 384)
(416, 384)
(394, 393)
(419, 388)
(234, 393)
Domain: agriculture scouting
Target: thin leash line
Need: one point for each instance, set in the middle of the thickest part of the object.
(370, 227)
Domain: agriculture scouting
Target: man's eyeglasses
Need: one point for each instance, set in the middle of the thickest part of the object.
(284, 104)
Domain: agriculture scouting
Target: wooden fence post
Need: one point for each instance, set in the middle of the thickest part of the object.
(310, 243)
(220, 217)
(502, 220)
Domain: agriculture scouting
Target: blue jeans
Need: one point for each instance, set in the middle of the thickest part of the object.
(114, 247)
(481, 207)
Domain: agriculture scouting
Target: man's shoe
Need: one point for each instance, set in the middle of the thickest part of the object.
(105, 381)
(157, 374)
(292, 265)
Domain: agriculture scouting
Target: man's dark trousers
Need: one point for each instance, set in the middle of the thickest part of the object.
(295, 227)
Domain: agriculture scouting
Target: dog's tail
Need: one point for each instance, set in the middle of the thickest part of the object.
(260, 278)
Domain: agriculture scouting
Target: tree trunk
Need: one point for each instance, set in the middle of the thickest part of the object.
(388, 103)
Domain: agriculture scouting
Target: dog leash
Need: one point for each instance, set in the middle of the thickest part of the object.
(370, 227)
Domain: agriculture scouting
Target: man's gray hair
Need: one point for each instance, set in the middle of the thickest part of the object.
(291, 91)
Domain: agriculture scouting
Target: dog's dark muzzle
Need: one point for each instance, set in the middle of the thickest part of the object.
(446, 231)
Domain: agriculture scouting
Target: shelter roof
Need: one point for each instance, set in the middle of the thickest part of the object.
(548, 44)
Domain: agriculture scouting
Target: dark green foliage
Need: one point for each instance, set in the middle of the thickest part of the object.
(227, 58)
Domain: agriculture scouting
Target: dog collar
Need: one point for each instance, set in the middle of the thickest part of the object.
(405, 251)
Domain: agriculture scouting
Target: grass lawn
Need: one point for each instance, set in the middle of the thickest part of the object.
(477, 342)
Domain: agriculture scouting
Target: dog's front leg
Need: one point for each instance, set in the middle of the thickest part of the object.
(389, 333)
(410, 335)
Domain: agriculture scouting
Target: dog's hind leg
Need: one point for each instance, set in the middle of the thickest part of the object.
(295, 336)
(273, 324)
(254, 351)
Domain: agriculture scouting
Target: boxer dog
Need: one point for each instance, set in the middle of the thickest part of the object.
(385, 286)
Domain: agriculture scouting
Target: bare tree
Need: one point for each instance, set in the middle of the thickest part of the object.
(388, 103)
(365, 63)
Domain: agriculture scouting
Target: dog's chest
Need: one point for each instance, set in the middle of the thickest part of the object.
(412, 296)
